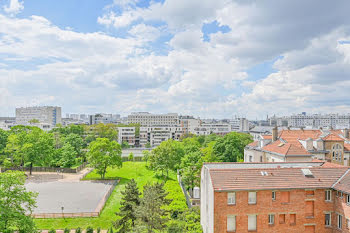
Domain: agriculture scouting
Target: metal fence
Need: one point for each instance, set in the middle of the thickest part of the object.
(47, 169)
(188, 199)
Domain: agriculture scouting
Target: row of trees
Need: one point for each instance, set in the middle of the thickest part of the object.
(189, 154)
(148, 213)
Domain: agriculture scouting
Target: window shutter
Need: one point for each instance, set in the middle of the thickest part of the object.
(251, 222)
(231, 223)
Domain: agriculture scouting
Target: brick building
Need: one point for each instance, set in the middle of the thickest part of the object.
(275, 197)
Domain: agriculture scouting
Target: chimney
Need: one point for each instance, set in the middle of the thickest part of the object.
(346, 133)
(274, 134)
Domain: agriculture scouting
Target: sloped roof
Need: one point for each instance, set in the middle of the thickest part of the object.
(282, 148)
(253, 144)
(276, 178)
(332, 137)
(343, 184)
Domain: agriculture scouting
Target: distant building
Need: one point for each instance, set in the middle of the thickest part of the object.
(239, 125)
(216, 128)
(157, 134)
(104, 118)
(300, 145)
(127, 134)
(148, 119)
(310, 197)
(47, 115)
(316, 121)
(189, 124)
(7, 122)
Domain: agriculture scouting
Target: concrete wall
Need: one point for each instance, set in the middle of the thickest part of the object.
(207, 202)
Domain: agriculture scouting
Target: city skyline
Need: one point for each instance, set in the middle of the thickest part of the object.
(224, 58)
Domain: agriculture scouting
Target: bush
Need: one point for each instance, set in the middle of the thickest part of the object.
(89, 230)
(98, 230)
(78, 230)
(110, 230)
(66, 230)
(52, 231)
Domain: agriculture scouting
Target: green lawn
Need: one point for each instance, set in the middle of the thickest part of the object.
(130, 170)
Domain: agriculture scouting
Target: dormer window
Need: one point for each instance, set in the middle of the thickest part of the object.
(337, 152)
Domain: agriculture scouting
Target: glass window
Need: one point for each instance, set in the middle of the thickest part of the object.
(285, 197)
(231, 223)
(348, 199)
(328, 195)
(271, 219)
(252, 198)
(251, 222)
(273, 195)
(231, 198)
(340, 221)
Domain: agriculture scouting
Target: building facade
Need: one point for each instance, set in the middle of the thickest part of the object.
(275, 197)
(127, 134)
(300, 145)
(157, 134)
(148, 119)
(316, 121)
(48, 115)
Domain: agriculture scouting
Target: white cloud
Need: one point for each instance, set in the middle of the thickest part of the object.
(14, 7)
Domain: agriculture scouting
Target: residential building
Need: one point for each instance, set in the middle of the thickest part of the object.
(127, 134)
(148, 119)
(300, 145)
(311, 197)
(260, 130)
(189, 124)
(157, 134)
(209, 128)
(48, 115)
(239, 125)
(7, 122)
(316, 121)
(104, 118)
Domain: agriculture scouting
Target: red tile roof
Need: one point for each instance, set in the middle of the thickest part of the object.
(332, 137)
(253, 144)
(286, 148)
(269, 137)
(277, 178)
(343, 184)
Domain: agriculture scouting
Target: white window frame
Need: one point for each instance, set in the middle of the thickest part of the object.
(273, 195)
(252, 199)
(271, 219)
(328, 195)
(231, 198)
(339, 221)
(254, 219)
(329, 221)
(231, 226)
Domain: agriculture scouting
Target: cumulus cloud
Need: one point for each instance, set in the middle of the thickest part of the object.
(14, 7)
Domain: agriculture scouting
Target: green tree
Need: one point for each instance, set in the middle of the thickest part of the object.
(127, 212)
(75, 141)
(103, 153)
(131, 156)
(148, 145)
(191, 144)
(167, 156)
(125, 145)
(34, 121)
(15, 203)
(209, 155)
(231, 147)
(191, 165)
(151, 212)
(146, 156)
(68, 156)
(3, 140)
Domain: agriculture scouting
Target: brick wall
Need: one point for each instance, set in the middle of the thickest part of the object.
(265, 206)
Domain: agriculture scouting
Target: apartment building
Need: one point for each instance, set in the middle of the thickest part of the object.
(300, 145)
(103, 118)
(157, 134)
(148, 119)
(189, 124)
(127, 134)
(239, 125)
(311, 197)
(47, 115)
(209, 128)
(316, 121)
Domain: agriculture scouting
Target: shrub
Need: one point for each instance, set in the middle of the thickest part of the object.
(89, 230)
(98, 230)
(78, 230)
(52, 231)
(66, 230)
(110, 230)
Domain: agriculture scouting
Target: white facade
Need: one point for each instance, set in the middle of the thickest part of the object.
(103, 118)
(239, 125)
(126, 134)
(209, 128)
(207, 201)
(317, 121)
(157, 134)
(189, 124)
(148, 119)
(49, 115)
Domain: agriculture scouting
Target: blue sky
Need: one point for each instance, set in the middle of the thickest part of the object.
(201, 57)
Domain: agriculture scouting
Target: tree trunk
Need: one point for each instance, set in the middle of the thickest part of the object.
(31, 168)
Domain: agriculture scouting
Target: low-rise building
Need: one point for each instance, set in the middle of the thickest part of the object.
(127, 134)
(149, 119)
(157, 134)
(300, 145)
(275, 197)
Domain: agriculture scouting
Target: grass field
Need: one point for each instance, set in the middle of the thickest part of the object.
(130, 170)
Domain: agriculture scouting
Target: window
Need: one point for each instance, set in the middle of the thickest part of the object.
(251, 222)
(231, 223)
(340, 194)
(250, 158)
(328, 195)
(231, 198)
(328, 219)
(337, 152)
(273, 195)
(293, 219)
(271, 219)
(285, 197)
(348, 199)
(309, 209)
(282, 218)
(340, 221)
(261, 159)
(252, 198)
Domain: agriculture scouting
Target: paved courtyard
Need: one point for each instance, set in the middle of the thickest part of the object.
(57, 191)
